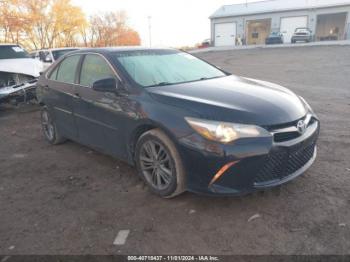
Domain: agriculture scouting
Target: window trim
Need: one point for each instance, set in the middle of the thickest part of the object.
(82, 55)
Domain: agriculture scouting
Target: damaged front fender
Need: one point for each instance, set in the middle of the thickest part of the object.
(18, 79)
(16, 87)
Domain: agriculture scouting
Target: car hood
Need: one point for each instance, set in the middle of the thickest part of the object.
(26, 66)
(234, 99)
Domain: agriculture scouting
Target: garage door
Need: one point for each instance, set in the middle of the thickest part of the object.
(225, 34)
(331, 27)
(258, 31)
(289, 24)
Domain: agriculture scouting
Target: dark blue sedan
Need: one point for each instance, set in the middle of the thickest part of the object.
(274, 38)
(185, 124)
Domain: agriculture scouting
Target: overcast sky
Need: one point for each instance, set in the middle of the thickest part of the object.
(175, 23)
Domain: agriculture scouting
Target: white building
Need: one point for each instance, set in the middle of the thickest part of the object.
(253, 22)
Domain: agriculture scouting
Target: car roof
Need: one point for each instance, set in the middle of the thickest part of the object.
(57, 49)
(106, 50)
(64, 48)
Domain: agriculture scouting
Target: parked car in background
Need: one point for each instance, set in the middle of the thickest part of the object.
(185, 124)
(302, 34)
(206, 43)
(274, 38)
(18, 73)
(49, 56)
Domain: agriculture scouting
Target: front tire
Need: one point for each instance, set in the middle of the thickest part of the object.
(159, 164)
(49, 128)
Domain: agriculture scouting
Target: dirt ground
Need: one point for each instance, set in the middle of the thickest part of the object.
(69, 199)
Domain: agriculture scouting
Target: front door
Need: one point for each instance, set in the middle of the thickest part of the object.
(98, 114)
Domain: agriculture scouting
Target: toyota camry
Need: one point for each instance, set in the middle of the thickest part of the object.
(185, 124)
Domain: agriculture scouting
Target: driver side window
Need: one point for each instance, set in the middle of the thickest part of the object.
(94, 68)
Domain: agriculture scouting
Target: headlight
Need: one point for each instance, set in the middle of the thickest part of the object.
(225, 132)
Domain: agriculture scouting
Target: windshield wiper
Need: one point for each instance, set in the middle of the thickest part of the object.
(167, 83)
(207, 78)
(160, 84)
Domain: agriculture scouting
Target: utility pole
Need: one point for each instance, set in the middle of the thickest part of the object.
(150, 30)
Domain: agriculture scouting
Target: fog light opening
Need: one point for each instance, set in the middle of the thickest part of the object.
(221, 172)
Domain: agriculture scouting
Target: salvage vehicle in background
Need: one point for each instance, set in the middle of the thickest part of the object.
(205, 43)
(274, 38)
(18, 74)
(302, 34)
(185, 124)
(49, 56)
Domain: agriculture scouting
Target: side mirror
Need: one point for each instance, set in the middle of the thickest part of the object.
(105, 85)
(47, 59)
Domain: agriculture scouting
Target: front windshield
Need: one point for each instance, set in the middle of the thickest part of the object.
(58, 53)
(11, 52)
(164, 67)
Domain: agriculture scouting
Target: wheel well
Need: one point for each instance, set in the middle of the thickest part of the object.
(136, 135)
(139, 132)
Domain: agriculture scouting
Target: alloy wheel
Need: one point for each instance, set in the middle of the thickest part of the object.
(48, 126)
(156, 165)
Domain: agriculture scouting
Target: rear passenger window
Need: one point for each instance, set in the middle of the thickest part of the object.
(94, 68)
(67, 69)
(53, 74)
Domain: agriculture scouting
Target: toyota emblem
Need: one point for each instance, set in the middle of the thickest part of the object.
(301, 126)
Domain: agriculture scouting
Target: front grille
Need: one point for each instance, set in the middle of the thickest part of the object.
(299, 158)
(285, 136)
(284, 161)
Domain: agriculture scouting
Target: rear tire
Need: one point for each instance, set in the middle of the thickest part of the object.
(49, 128)
(159, 164)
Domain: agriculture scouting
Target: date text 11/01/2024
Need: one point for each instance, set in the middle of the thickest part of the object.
(173, 258)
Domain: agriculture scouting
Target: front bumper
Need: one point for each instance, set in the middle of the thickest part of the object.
(301, 38)
(22, 92)
(254, 164)
(271, 41)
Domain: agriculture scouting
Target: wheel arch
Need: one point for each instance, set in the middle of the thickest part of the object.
(142, 128)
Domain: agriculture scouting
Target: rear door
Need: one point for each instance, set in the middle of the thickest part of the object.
(62, 93)
(98, 114)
